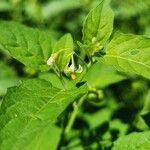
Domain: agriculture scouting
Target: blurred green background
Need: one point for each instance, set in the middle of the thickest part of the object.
(118, 104)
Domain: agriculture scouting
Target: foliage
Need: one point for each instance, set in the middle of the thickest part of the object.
(129, 53)
(70, 81)
(133, 141)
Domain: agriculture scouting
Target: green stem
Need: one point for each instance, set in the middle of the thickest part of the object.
(85, 68)
(62, 81)
(58, 73)
(73, 116)
(81, 60)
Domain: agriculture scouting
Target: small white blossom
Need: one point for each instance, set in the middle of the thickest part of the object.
(71, 68)
(51, 61)
(80, 69)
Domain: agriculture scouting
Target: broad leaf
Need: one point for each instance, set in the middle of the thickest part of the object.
(129, 53)
(28, 113)
(133, 141)
(47, 140)
(63, 51)
(101, 75)
(97, 27)
(53, 78)
(30, 46)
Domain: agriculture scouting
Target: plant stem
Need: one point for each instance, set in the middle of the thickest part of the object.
(62, 81)
(85, 68)
(58, 73)
(73, 116)
(82, 61)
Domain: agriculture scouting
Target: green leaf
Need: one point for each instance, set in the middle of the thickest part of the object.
(28, 113)
(101, 75)
(97, 27)
(63, 51)
(49, 138)
(129, 53)
(133, 141)
(53, 78)
(8, 78)
(30, 46)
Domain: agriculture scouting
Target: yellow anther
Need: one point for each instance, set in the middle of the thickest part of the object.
(73, 76)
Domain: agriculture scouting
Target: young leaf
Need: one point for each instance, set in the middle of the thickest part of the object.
(30, 46)
(63, 51)
(97, 27)
(29, 111)
(129, 53)
(137, 141)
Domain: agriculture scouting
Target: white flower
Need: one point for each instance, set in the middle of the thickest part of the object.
(71, 68)
(51, 61)
(80, 69)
